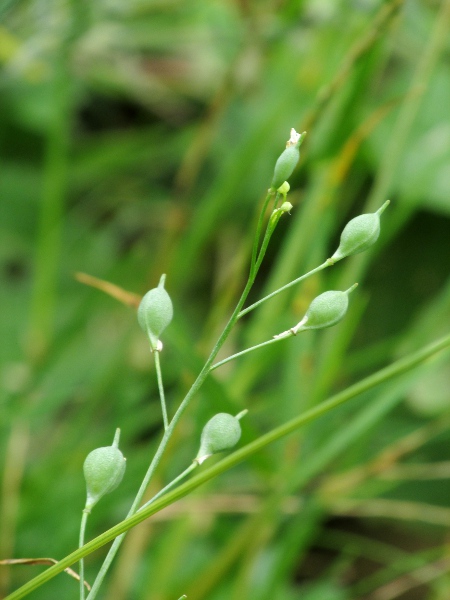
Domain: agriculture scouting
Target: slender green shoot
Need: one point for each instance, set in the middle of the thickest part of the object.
(246, 351)
(170, 485)
(84, 517)
(259, 228)
(161, 389)
(185, 403)
(285, 287)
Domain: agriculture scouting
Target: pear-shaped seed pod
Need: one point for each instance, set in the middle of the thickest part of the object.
(287, 160)
(359, 234)
(155, 312)
(325, 310)
(103, 471)
(222, 432)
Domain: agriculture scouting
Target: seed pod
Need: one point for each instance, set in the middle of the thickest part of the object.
(359, 234)
(325, 310)
(103, 471)
(222, 432)
(287, 160)
(155, 312)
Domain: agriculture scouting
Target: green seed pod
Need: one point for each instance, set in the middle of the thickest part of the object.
(155, 312)
(359, 234)
(103, 471)
(287, 160)
(325, 310)
(222, 432)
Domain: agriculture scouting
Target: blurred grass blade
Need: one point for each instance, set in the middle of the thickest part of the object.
(382, 376)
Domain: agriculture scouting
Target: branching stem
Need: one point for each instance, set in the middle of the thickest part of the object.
(187, 399)
(324, 265)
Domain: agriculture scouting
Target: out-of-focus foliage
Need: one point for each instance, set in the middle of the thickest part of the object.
(137, 138)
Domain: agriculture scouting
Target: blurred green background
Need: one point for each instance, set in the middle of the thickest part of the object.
(137, 138)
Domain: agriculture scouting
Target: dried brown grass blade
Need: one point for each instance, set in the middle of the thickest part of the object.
(41, 561)
(111, 289)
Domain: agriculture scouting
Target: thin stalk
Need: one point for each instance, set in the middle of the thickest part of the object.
(161, 389)
(382, 376)
(277, 200)
(171, 426)
(271, 226)
(225, 360)
(170, 485)
(285, 287)
(259, 228)
(84, 518)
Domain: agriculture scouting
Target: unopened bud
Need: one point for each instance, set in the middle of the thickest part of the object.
(287, 160)
(284, 189)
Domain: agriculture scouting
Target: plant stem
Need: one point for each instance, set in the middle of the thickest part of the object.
(171, 426)
(84, 518)
(161, 389)
(170, 485)
(383, 375)
(225, 360)
(285, 287)
(259, 227)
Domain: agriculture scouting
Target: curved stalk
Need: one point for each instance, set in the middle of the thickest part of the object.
(171, 426)
(285, 287)
(161, 389)
(225, 360)
(84, 518)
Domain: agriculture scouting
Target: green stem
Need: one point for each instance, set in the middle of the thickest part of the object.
(161, 389)
(394, 370)
(285, 287)
(170, 428)
(259, 227)
(225, 360)
(84, 518)
(277, 200)
(170, 485)
(271, 225)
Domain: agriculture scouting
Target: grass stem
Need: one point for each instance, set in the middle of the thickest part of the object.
(382, 376)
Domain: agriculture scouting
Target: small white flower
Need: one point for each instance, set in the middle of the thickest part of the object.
(293, 139)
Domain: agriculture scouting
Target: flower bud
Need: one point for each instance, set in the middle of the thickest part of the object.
(103, 471)
(324, 311)
(284, 189)
(222, 432)
(287, 160)
(359, 234)
(286, 207)
(155, 312)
